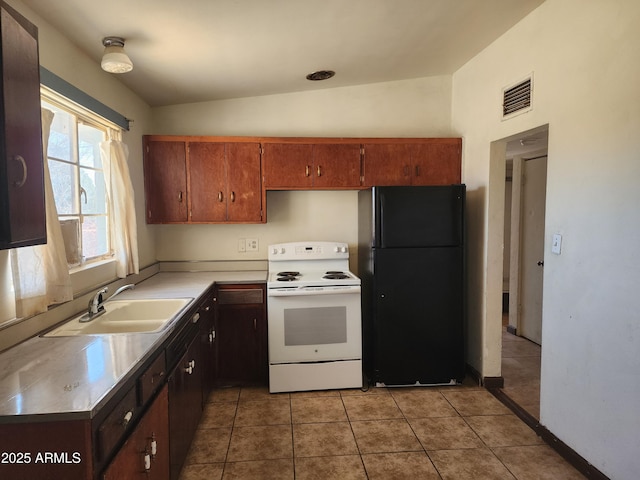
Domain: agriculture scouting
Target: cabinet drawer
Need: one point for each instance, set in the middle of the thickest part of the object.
(117, 423)
(240, 296)
(151, 379)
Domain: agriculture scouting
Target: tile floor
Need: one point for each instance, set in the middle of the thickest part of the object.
(521, 372)
(459, 433)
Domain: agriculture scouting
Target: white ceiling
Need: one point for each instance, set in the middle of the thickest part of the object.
(199, 50)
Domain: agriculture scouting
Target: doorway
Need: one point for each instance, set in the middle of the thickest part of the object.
(523, 264)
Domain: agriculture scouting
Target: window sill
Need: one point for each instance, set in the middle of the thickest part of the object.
(87, 278)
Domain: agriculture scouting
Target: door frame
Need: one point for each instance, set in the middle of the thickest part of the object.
(492, 329)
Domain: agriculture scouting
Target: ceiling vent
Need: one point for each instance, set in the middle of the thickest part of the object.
(517, 98)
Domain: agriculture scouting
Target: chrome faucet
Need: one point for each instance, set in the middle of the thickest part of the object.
(96, 304)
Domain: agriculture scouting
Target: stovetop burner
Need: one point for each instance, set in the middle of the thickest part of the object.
(288, 274)
(286, 278)
(335, 276)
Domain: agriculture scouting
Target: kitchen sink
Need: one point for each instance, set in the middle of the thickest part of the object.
(125, 316)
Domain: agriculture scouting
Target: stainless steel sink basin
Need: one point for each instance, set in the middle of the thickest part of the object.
(125, 316)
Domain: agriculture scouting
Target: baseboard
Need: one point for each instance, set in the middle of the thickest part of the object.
(565, 451)
(487, 382)
(493, 382)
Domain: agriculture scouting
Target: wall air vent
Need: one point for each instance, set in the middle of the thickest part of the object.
(517, 98)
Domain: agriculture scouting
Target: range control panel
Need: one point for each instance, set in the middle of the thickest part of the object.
(308, 251)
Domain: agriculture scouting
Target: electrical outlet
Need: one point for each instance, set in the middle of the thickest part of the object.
(252, 245)
(242, 245)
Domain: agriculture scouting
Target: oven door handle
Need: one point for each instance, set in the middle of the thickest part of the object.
(308, 291)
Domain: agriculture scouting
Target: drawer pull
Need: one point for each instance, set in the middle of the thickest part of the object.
(147, 462)
(127, 418)
(195, 318)
(20, 183)
(154, 445)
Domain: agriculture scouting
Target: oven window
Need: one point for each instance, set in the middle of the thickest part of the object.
(315, 326)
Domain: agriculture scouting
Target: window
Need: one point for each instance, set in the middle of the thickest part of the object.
(78, 179)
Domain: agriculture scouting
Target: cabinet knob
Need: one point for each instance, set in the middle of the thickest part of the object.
(127, 418)
(195, 318)
(20, 183)
(147, 462)
(154, 445)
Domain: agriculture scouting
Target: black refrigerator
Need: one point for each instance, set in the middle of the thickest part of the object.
(411, 259)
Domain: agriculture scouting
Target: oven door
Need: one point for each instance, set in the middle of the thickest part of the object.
(314, 324)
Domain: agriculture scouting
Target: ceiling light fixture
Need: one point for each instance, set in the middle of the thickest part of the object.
(321, 75)
(115, 60)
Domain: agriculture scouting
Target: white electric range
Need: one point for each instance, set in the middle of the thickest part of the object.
(314, 318)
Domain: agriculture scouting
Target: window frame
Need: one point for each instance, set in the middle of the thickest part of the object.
(111, 131)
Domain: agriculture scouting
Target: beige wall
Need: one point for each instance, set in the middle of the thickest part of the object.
(584, 57)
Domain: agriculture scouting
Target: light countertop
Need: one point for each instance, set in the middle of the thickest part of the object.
(72, 377)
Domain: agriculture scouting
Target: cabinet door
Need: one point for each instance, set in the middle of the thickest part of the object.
(208, 182)
(21, 164)
(185, 405)
(244, 193)
(386, 164)
(137, 459)
(165, 172)
(436, 163)
(241, 344)
(208, 353)
(336, 166)
(287, 165)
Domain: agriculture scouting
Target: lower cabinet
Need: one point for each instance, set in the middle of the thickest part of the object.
(240, 335)
(145, 431)
(145, 454)
(185, 405)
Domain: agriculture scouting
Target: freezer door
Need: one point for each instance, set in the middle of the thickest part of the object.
(418, 316)
(418, 216)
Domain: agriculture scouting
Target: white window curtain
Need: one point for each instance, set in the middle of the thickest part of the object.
(40, 273)
(123, 214)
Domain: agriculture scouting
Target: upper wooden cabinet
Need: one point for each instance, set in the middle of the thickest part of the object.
(202, 181)
(307, 165)
(165, 178)
(432, 162)
(21, 163)
(192, 179)
(225, 182)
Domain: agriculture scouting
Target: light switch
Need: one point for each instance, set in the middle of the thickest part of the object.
(556, 243)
